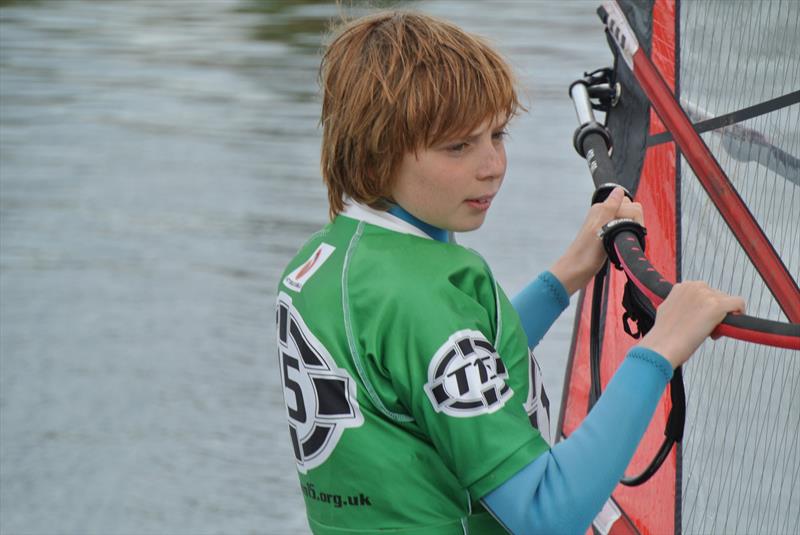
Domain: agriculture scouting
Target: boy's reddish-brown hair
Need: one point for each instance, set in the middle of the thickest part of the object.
(397, 82)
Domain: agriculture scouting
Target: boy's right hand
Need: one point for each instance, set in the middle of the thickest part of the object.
(685, 319)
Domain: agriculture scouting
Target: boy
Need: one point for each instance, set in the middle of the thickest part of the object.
(413, 399)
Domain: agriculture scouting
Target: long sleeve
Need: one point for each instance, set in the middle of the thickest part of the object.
(562, 490)
(539, 304)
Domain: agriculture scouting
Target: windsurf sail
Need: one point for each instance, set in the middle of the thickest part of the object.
(706, 135)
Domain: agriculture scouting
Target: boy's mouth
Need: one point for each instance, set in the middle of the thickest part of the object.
(480, 203)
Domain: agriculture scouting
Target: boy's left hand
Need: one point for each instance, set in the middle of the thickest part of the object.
(585, 256)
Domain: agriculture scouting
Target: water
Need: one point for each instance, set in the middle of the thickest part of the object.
(159, 166)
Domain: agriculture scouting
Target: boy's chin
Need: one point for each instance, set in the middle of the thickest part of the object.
(467, 225)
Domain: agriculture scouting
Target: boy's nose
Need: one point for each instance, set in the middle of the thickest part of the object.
(493, 164)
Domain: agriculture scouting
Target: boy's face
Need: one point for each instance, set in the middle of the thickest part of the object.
(451, 184)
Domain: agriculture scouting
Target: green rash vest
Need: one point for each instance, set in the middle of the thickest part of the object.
(407, 378)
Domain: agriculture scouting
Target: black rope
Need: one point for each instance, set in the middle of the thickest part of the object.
(639, 311)
(594, 336)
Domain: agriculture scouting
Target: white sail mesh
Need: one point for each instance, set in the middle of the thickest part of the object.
(741, 458)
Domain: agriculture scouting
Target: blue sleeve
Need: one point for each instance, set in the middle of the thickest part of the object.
(539, 304)
(562, 490)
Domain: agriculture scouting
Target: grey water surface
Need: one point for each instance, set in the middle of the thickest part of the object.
(158, 167)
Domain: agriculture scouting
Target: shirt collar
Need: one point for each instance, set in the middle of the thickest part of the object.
(436, 233)
(396, 219)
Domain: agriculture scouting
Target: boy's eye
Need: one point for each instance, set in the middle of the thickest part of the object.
(458, 147)
(500, 135)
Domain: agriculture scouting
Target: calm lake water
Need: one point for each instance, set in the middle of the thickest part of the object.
(159, 167)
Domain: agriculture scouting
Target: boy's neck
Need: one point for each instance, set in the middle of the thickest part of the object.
(436, 233)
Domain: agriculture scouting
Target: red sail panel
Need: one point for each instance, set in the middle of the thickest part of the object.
(651, 506)
(575, 399)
